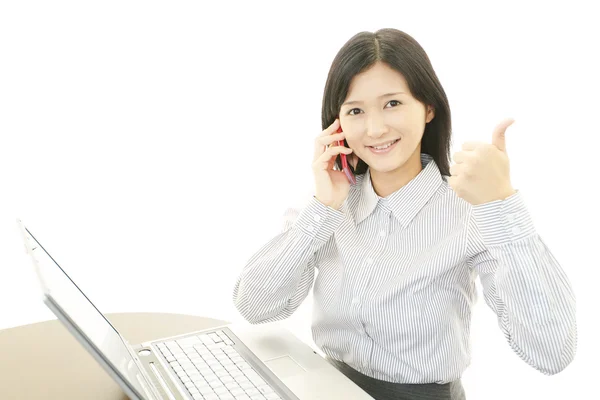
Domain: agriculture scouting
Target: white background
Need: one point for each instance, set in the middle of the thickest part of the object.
(152, 147)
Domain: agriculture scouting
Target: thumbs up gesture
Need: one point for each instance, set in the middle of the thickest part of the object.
(481, 172)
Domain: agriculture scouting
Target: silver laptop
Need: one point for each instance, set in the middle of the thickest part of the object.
(233, 361)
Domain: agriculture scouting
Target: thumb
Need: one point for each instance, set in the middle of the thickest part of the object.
(499, 135)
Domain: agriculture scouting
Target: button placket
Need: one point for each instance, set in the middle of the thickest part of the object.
(359, 302)
(383, 231)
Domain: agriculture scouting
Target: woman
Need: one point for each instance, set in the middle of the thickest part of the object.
(398, 252)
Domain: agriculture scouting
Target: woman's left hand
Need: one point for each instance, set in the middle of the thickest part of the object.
(481, 172)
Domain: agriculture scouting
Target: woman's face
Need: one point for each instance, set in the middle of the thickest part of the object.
(382, 122)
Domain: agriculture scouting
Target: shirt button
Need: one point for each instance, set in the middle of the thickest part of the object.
(355, 300)
(382, 233)
(317, 218)
(310, 228)
(510, 217)
(516, 230)
(369, 260)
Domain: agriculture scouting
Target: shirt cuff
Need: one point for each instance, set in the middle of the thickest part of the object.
(318, 220)
(503, 221)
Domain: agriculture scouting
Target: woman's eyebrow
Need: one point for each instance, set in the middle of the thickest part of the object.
(379, 97)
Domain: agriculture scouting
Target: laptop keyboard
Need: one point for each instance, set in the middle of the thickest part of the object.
(212, 369)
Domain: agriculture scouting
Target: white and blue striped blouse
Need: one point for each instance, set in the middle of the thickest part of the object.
(394, 280)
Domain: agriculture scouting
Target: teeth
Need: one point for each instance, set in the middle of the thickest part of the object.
(386, 146)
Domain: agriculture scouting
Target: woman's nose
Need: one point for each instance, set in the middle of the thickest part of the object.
(376, 127)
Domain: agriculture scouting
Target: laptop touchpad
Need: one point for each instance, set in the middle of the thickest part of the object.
(284, 367)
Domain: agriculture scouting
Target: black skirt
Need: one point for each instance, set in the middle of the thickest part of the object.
(383, 390)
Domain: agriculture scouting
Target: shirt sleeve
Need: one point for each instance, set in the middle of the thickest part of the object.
(523, 284)
(277, 278)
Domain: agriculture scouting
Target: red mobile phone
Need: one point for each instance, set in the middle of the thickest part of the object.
(344, 159)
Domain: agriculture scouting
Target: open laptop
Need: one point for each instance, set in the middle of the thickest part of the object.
(246, 362)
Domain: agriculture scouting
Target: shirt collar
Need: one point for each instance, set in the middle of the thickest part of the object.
(404, 203)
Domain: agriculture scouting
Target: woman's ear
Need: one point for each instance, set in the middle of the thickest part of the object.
(430, 114)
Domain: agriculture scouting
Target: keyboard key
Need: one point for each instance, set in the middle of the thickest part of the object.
(242, 380)
(212, 363)
(194, 376)
(243, 365)
(237, 359)
(265, 389)
(221, 390)
(232, 369)
(222, 373)
(227, 361)
(216, 338)
(191, 359)
(237, 391)
(164, 350)
(255, 378)
(230, 351)
(188, 341)
(246, 385)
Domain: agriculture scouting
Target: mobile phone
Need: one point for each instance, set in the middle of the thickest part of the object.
(344, 160)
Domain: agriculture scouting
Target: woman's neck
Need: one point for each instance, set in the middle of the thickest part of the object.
(386, 183)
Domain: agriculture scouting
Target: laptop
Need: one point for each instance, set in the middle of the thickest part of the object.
(233, 361)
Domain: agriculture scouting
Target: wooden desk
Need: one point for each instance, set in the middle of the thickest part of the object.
(43, 360)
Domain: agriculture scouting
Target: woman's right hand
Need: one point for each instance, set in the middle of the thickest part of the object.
(331, 186)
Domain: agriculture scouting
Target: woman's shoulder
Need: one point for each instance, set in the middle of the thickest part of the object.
(447, 200)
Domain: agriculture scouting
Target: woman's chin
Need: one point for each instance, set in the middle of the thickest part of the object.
(385, 166)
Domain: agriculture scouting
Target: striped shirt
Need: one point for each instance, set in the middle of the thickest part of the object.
(393, 280)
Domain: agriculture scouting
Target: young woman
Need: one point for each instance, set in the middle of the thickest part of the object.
(397, 253)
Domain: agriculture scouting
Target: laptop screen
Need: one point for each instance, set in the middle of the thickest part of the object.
(80, 310)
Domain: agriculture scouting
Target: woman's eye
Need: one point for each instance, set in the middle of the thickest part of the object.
(354, 111)
(394, 103)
